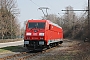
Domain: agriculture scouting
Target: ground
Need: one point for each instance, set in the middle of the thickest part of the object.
(69, 50)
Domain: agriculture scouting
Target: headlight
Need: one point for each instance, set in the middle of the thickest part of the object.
(41, 34)
(28, 34)
(26, 42)
(41, 42)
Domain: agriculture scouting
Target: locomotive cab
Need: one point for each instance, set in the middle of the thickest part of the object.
(35, 35)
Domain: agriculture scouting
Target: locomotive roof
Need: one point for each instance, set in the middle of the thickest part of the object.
(36, 20)
(45, 21)
(54, 24)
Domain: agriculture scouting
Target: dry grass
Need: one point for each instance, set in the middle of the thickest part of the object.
(11, 49)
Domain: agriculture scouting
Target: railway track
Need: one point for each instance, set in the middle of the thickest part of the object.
(20, 56)
(13, 56)
(26, 55)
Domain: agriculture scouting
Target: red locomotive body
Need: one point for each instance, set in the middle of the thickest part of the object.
(42, 33)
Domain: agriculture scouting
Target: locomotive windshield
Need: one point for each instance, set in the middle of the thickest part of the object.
(36, 25)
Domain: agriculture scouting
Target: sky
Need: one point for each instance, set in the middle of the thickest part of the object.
(29, 8)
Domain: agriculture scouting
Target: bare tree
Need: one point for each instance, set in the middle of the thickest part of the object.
(53, 17)
(8, 15)
(75, 26)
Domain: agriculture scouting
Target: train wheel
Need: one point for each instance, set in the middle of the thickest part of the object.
(54, 44)
(49, 46)
(61, 42)
(57, 44)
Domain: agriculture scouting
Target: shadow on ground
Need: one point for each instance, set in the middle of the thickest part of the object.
(12, 49)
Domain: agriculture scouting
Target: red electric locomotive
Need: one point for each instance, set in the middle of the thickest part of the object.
(42, 33)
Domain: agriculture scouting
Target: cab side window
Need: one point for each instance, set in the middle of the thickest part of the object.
(49, 27)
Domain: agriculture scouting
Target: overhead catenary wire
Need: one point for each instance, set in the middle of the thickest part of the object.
(34, 3)
(50, 5)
